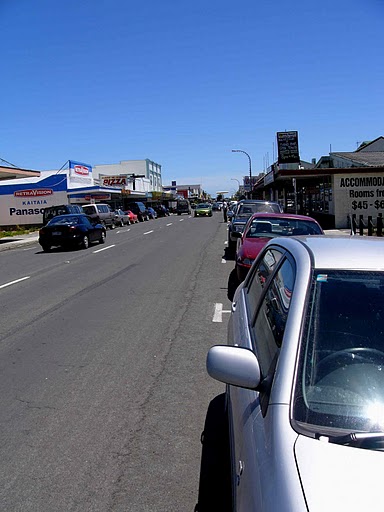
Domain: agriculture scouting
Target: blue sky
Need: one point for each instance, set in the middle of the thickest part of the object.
(183, 83)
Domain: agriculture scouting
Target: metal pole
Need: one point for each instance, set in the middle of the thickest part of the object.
(250, 169)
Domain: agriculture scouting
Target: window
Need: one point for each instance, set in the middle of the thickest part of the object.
(259, 278)
(272, 316)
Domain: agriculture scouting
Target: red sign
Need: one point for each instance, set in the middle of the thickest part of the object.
(81, 169)
(34, 192)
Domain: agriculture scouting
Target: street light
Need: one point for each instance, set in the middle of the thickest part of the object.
(238, 182)
(250, 169)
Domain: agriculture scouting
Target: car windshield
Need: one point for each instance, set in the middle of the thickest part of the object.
(340, 383)
(271, 227)
(203, 205)
(65, 219)
(247, 210)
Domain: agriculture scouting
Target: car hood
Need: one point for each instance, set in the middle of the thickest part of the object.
(338, 477)
(252, 246)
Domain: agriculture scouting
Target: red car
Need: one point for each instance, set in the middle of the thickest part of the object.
(132, 217)
(261, 227)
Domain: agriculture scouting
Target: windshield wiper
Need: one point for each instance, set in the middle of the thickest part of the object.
(354, 438)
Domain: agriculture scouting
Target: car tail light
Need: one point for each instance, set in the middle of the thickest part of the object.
(42, 231)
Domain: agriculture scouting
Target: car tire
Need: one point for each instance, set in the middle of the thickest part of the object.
(84, 242)
(122, 223)
(113, 225)
(102, 237)
(46, 248)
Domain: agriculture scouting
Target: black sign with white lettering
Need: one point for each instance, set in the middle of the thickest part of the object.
(288, 147)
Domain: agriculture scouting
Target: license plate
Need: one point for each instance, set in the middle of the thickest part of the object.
(56, 233)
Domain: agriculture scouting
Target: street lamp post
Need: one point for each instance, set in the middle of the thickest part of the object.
(238, 182)
(250, 170)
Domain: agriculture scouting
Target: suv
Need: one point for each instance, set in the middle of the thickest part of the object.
(102, 213)
(62, 209)
(138, 209)
(244, 210)
(183, 206)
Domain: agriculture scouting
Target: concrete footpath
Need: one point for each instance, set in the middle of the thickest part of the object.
(12, 242)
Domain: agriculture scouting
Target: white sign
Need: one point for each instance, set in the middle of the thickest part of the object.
(359, 194)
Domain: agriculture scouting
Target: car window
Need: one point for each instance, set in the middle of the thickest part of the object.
(89, 210)
(271, 227)
(259, 278)
(340, 382)
(271, 318)
(64, 219)
(249, 209)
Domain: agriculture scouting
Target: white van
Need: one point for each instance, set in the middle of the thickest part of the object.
(101, 212)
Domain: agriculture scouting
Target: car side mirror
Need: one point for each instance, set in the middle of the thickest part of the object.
(236, 234)
(230, 215)
(234, 365)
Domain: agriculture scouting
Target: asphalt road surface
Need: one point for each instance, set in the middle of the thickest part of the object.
(103, 384)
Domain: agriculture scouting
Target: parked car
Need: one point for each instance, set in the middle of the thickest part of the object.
(243, 210)
(152, 213)
(161, 210)
(261, 227)
(217, 206)
(61, 209)
(203, 210)
(183, 206)
(304, 374)
(102, 213)
(139, 209)
(71, 230)
(132, 217)
(121, 218)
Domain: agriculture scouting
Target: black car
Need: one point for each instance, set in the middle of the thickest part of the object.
(71, 230)
(138, 209)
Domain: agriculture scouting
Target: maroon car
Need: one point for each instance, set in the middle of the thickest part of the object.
(261, 227)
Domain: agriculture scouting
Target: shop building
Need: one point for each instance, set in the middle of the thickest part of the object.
(336, 187)
(23, 200)
(144, 172)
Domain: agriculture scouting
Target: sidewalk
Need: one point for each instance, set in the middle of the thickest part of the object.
(11, 242)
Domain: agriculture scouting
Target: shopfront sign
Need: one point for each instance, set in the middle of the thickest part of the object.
(358, 193)
(288, 147)
(79, 173)
(119, 181)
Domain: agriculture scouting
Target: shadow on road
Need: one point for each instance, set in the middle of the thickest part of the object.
(215, 468)
(233, 283)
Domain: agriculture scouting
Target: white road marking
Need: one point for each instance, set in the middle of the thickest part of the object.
(104, 248)
(218, 313)
(223, 260)
(170, 224)
(226, 242)
(181, 220)
(14, 282)
(147, 233)
(30, 248)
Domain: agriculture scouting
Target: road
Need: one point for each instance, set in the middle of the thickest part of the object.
(102, 352)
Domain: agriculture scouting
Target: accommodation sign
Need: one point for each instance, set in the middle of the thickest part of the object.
(364, 192)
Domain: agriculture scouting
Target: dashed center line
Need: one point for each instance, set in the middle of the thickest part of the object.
(170, 224)
(14, 282)
(104, 249)
(147, 233)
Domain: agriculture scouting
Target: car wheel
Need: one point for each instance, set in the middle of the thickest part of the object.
(46, 248)
(113, 225)
(122, 223)
(102, 237)
(85, 242)
(195, 215)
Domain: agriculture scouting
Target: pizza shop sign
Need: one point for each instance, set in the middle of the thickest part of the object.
(115, 181)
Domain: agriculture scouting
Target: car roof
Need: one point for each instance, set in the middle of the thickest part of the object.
(337, 252)
(291, 216)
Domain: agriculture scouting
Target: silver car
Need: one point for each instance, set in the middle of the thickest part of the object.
(304, 368)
